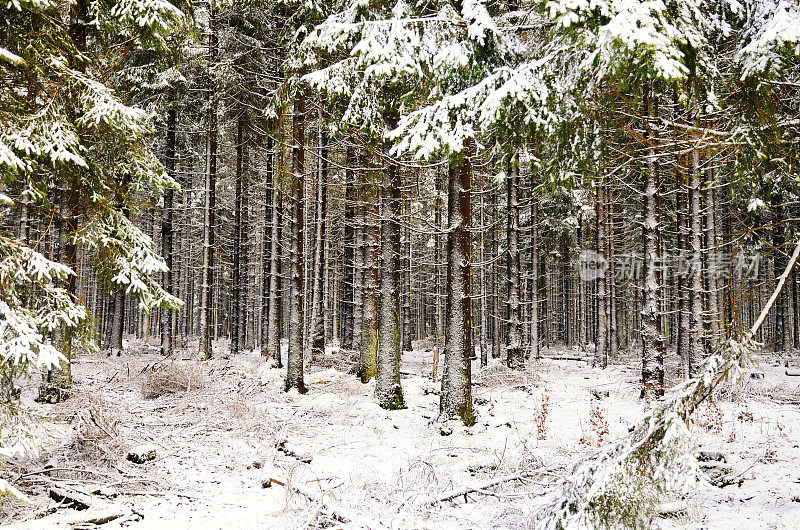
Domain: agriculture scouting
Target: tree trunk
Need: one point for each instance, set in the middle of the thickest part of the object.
(209, 208)
(535, 350)
(780, 343)
(695, 348)
(294, 364)
(348, 262)
(652, 341)
(456, 394)
(317, 306)
(274, 327)
(388, 391)
(515, 357)
(601, 344)
(366, 362)
(236, 280)
(168, 317)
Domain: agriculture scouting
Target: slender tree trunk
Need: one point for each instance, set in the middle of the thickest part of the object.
(209, 208)
(318, 309)
(168, 317)
(236, 287)
(484, 321)
(515, 357)
(601, 348)
(388, 391)
(438, 262)
(266, 268)
(535, 350)
(348, 262)
(274, 326)
(366, 363)
(369, 329)
(294, 364)
(780, 343)
(118, 322)
(456, 394)
(652, 341)
(713, 318)
(408, 324)
(695, 335)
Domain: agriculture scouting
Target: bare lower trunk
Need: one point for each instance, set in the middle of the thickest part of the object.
(274, 327)
(601, 349)
(369, 326)
(236, 318)
(294, 363)
(652, 341)
(168, 317)
(317, 306)
(515, 357)
(209, 208)
(695, 280)
(388, 391)
(456, 394)
(535, 350)
(366, 364)
(780, 341)
(118, 323)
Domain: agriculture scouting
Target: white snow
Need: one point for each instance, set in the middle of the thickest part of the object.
(219, 444)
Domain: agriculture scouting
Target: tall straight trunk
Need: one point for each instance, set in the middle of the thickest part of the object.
(317, 306)
(714, 318)
(210, 206)
(274, 327)
(408, 330)
(366, 361)
(652, 340)
(535, 350)
(388, 391)
(781, 339)
(515, 357)
(601, 349)
(496, 331)
(168, 318)
(348, 261)
(266, 267)
(684, 318)
(438, 261)
(482, 257)
(236, 280)
(695, 348)
(369, 329)
(456, 394)
(566, 295)
(294, 363)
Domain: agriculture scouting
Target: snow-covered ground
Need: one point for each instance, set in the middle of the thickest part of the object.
(238, 452)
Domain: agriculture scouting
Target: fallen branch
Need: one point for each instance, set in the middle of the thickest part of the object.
(477, 488)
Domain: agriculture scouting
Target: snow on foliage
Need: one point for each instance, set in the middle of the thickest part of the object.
(126, 258)
(626, 35)
(390, 60)
(32, 308)
(771, 36)
(504, 95)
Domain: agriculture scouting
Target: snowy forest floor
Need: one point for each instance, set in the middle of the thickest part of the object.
(333, 458)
